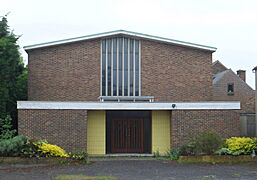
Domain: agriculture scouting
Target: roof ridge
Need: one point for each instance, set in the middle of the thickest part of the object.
(217, 61)
(117, 32)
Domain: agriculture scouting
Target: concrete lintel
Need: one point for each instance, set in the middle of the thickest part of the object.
(208, 105)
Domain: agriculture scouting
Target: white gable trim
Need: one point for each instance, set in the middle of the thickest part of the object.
(128, 106)
(123, 32)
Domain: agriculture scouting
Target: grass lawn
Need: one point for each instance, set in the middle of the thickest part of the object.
(82, 177)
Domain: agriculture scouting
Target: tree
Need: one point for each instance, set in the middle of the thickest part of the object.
(6, 130)
(13, 74)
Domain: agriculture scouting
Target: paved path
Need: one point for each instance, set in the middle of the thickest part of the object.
(132, 169)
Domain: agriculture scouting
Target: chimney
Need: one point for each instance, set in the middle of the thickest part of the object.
(241, 74)
(255, 71)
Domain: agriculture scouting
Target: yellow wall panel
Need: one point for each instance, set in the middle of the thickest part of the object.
(161, 131)
(96, 133)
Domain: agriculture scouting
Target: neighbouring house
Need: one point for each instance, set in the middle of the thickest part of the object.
(229, 86)
(122, 92)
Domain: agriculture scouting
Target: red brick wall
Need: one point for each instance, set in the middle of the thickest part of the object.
(69, 72)
(66, 128)
(175, 73)
(186, 124)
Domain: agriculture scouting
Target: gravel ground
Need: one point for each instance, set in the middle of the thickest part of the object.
(131, 169)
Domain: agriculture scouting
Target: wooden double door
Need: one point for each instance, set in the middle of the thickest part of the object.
(127, 135)
(128, 132)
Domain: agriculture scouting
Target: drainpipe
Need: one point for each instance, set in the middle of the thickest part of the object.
(255, 71)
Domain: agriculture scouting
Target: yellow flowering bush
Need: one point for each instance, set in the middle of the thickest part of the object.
(241, 145)
(50, 150)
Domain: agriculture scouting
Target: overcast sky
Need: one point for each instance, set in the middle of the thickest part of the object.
(229, 25)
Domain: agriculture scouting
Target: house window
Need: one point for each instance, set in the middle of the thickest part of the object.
(230, 89)
(120, 67)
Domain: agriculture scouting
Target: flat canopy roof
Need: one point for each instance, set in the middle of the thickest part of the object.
(210, 105)
(121, 32)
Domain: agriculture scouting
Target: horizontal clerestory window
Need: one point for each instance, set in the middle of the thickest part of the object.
(120, 67)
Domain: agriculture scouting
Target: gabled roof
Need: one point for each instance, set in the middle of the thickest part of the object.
(218, 67)
(121, 32)
(219, 63)
(217, 77)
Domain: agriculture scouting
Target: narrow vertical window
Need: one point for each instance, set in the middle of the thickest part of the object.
(114, 67)
(120, 75)
(103, 67)
(136, 68)
(109, 65)
(120, 65)
(125, 67)
(131, 67)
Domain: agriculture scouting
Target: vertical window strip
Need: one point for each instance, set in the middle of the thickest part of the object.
(125, 66)
(128, 67)
(106, 68)
(134, 62)
(114, 75)
(103, 68)
(139, 68)
(101, 73)
(122, 66)
(117, 66)
(109, 66)
(112, 68)
(131, 46)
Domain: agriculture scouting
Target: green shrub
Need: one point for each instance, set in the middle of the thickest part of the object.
(173, 154)
(241, 145)
(224, 151)
(23, 146)
(30, 149)
(203, 144)
(13, 146)
(188, 149)
(6, 129)
(81, 156)
(41, 148)
(208, 143)
(51, 150)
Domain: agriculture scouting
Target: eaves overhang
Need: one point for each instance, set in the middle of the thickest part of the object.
(121, 32)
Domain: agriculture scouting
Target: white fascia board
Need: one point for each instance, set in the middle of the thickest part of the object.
(129, 33)
(128, 106)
